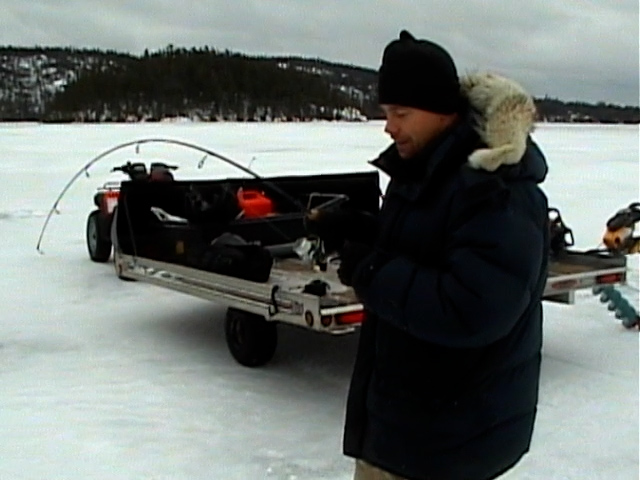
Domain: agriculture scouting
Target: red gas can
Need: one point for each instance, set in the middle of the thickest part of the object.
(254, 203)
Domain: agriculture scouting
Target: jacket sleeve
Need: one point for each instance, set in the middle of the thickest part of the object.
(492, 261)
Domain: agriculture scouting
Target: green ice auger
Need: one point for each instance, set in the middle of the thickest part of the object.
(618, 304)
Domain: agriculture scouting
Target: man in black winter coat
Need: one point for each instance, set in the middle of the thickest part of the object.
(445, 383)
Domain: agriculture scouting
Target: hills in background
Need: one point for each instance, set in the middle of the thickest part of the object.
(75, 85)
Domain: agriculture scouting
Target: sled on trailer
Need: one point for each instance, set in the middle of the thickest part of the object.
(243, 243)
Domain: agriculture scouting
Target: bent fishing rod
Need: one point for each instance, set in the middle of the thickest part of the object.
(208, 152)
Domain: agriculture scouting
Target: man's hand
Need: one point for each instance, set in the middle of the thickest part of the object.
(335, 227)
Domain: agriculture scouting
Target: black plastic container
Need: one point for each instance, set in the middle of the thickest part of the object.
(141, 233)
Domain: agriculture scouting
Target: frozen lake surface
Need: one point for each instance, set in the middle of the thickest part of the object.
(104, 379)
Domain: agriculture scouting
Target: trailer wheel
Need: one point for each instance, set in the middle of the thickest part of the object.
(251, 339)
(98, 245)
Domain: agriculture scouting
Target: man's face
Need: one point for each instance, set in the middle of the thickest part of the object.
(411, 128)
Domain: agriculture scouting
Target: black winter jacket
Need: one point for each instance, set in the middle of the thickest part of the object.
(445, 383)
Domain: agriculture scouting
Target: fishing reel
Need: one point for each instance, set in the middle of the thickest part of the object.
(311, 251)
(317, 247)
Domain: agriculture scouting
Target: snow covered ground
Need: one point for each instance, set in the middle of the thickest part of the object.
(103, 379)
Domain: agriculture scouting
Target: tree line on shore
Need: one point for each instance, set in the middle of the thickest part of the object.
(210, 85)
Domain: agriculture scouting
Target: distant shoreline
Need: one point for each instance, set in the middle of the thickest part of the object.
(240, 122)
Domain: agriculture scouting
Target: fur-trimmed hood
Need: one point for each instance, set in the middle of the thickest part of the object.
(497, 120)
(503, 114)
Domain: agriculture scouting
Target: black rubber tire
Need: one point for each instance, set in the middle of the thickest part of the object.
(98, 244)
(251, 340)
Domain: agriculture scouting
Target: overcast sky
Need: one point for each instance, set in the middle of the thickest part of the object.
(585, 50)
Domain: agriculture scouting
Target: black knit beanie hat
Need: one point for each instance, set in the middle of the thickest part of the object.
(419, 74)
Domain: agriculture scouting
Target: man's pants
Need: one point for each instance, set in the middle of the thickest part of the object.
(365, 471)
